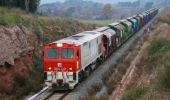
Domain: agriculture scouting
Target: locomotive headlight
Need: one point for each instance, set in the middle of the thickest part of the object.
(59, 45)
(49, 68)
(70, 68)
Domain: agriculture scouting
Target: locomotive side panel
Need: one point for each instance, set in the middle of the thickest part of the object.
(90, 51)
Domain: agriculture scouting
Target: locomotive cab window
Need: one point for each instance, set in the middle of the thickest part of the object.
(67, 53)
(52, 53)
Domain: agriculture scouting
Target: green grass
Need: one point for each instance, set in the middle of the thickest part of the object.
(159, 59)
(100, 22)
(159, 47)
(134, 93)
(10, 19)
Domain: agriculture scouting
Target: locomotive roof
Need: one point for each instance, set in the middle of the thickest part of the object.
(80, 38)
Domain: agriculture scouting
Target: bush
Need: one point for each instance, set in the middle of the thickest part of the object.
(163, 76)
(24, 84)
(134, 93)
(96, 87)
(106, 75)
(10, 19)
(165, 80)
(164, 17)
(158, 47)
(103, 96)
(113, 82)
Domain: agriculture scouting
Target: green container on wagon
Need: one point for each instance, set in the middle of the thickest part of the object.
(120, 32)
(128, 27)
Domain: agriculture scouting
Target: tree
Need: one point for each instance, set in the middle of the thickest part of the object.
(107, 11)
(28, 5)
(27, 2)
(33, 5)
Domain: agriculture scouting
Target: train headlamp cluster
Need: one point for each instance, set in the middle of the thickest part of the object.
(70, 68)
(59, 45)
(49, 68)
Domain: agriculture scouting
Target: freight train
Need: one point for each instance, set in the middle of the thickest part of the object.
(69, 60)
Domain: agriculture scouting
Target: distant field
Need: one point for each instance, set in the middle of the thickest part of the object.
(101, 22)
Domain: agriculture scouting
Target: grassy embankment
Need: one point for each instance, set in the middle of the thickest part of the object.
(152, 80)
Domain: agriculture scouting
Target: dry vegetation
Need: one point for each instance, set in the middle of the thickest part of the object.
(151, 80)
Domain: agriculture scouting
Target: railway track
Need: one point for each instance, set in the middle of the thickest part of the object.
(49, 94)
(58, 96)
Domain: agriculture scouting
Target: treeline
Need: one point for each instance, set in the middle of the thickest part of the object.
(28, 5)
(80, 9)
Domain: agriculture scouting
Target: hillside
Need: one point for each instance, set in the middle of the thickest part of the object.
(22, 38)
(150, 80)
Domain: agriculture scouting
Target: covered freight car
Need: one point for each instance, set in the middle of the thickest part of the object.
(139, 21)
(134, 24)
(108, 38)
(120, 33)
(128, 28)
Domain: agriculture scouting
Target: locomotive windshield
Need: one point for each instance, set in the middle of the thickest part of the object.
(67, 53)
(52, 53)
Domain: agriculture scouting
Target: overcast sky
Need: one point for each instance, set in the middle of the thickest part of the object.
(106, 1)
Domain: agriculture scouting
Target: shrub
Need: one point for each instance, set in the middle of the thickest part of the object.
(134, 93)
(122, 68)
(157, 47)
(164, 18)
(24, 84)
(164, 79)
(96, 87)
(106, 75)
(103, 96)
(10, 19)
(112, 83)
